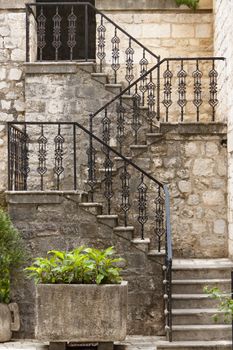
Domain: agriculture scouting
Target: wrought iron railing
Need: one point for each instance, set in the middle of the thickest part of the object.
(49, 156)
(186, 91)
(63, 31)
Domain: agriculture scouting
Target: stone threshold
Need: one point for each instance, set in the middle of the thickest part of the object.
(64, 67)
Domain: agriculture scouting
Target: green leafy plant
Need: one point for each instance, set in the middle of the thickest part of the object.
(225, 303)
(81, 265)
(192, 4)
(12, 254)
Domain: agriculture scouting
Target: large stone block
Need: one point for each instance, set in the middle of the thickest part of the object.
(82, 313)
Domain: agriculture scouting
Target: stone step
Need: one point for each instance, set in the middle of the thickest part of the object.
(124, 231)
(201, 268)
(195, 345)
(109, 220)
(201, 332)
(94, 208)
(115, 88)
(143, 244)
(193, 301)
(196, 316)
(100, 77)
(197, 285)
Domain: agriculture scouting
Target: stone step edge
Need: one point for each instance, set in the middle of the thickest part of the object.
(180, 312)
(201, 281)
(192, 343)
(195, 296)
(198, 327)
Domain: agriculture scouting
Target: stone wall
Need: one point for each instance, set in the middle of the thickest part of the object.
(12, 58)
(223, 18)
(55, 221)
(192, 160)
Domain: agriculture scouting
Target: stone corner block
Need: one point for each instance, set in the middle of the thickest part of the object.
(13, 4)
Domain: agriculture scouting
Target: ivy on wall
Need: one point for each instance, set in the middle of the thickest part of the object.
(190, 3)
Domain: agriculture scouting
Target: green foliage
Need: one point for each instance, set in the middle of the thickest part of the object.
(81, 265)
(225, 303)
(192, 4)
(12, 254)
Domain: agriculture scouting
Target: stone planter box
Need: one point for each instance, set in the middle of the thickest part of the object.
(81, 312)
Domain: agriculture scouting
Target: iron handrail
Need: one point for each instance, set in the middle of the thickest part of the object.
(118, 154)
(28, 5)
(157, 65)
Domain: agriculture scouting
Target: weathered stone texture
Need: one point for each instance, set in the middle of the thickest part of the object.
(12, 56)
(223, 17)
(64, 226)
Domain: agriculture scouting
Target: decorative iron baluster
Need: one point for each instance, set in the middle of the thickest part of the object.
(41, 43)
(167, 90)
(42, 154)
(10, 158)
(25, 157)
(108, 191)
(182, 75)
(106, 122)
(91, 181)
(72, 19)
(129, 65)
(213, 101)
(151, 102)
(136, 122)
(115, 55)
(58, 168)
(56, 33)
(142, 205)
(101, 29)
(125, 194)
(143, 82)
(159, 217)
(120, 124)
(197, 75)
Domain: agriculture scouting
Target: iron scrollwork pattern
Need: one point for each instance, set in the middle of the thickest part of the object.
(167, 90)
(136, 122)
(213, 101)
(142, 204)
(101, 29)
(41, 25)
(120, 124)
(125, 195)
(129, 64)
(91, 180)
(143, 82)
(58, 168)
(115, 54)
(151, 102)
(72, 19)
(197, 75)
(56, 32)
(106, 122)
(108, 184)
(159, 217)
(182, 75)
(42, 154)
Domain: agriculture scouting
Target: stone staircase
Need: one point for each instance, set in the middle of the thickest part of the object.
(193, 310)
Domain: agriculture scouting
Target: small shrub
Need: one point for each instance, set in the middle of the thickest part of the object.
(12, 254)
(225, 303)
(190, 3)
(81, 265)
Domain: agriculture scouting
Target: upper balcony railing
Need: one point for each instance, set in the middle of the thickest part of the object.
(77, 31)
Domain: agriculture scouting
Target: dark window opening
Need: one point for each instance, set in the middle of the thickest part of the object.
(80, 46)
